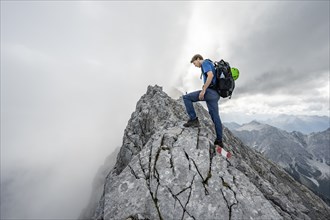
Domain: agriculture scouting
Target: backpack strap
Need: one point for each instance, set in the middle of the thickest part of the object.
(203, 70)
(213, 63)
(201, 73)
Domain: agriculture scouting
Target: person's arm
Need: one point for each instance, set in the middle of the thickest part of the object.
(208, 80)
(206, 85)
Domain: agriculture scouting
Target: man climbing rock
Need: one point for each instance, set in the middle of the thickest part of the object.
(207, 94)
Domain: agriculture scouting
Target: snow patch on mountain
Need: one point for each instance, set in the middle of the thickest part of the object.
(313, 180)
(322, 167)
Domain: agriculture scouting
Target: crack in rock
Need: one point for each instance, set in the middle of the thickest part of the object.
(148, 183)
(230, 206)
(197, 144)
(175, 196)
(164, 148)
(133, 172)
(204, 181)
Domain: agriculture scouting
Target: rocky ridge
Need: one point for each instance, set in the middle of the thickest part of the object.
(165, 171)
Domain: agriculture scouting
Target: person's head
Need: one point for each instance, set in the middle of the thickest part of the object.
(197, 60)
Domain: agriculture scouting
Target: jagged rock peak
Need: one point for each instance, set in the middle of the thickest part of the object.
(166, 171)
(154, 112)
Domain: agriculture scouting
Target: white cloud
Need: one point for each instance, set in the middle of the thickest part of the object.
(69, 84)
(280, 63)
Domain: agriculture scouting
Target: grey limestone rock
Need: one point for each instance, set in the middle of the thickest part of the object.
(165, 171)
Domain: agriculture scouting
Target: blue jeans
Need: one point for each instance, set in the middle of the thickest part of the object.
(211, 97)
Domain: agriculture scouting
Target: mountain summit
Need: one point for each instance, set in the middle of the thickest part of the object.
(165, 171)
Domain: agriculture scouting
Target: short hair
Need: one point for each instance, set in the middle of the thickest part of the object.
(196, 57)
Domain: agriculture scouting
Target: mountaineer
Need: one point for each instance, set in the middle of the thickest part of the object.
(209, 94)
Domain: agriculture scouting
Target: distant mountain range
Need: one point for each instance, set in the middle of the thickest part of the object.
(305, 157)
(302, 123)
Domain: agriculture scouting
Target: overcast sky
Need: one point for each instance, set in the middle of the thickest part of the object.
(72, 72)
